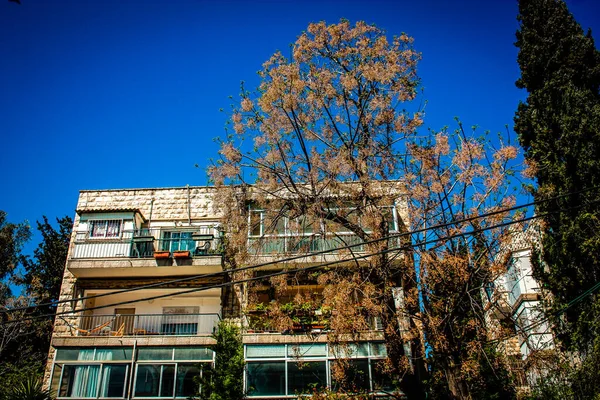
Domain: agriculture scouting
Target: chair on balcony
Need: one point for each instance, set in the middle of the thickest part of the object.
(119, 332)
(96, 331)
(202, 250)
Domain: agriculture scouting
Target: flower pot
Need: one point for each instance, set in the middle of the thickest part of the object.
(181, 254)
(161, 255)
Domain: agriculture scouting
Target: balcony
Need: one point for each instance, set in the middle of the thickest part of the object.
(137, 253)
(270, 246)
(143, 243)
(145, 325)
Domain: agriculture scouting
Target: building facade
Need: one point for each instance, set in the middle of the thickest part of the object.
(515, 309)
(144, 289)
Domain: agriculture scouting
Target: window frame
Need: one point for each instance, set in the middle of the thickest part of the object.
(328, 358)
(92, 222)
(100, 381)
(167, 242)
(131, 368)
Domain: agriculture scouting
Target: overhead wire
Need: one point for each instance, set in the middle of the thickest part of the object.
(283, 272)
(300, 256)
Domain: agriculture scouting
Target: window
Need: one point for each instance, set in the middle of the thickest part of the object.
(288, 370)
(162, 373)
(105, 229)
(104, 372)
(175, 241)
(180, 320)
(91, 372)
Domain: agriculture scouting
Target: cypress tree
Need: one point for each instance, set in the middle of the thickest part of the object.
(559, 128)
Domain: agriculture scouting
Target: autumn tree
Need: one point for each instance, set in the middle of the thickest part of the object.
(460, 186)
(559, 128)
(324, 156)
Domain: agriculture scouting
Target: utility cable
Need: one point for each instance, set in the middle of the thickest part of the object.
(293, 258)
(284, 272)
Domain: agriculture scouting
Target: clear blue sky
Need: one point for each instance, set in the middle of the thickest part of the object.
(98, 94)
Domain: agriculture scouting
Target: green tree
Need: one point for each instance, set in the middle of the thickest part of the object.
(29, 388)
(226, 380)
(24, 344)
(43, 274)
(559, 128)
(12, 238)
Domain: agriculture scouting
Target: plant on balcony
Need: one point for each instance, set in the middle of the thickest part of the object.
(181, 254)
(161, 255)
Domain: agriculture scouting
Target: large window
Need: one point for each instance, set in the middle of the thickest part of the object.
(105, 229)
(101, 373)
(92, 372)
(175, 241)
(290, 370)
(168, 372)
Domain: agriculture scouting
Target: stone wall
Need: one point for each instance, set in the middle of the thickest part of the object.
(166, 204)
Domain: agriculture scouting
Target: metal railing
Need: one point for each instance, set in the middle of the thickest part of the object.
(309, 244)
(143, 243)
(147, 324)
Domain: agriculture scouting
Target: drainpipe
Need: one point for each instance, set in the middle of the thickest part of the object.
(189, 206)
(131, 373)
(151, 208)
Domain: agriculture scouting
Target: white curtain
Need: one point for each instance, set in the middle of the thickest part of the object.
(85, 379)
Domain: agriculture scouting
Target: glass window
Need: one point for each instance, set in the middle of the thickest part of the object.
(356, 376)
(155, 353)
(378, 349)
(256, 223)
(305, 376)
(168, 381)
(307, 350)
(349, 350)
(80, 381)
(175, 241)
(266, 378)
(193, 353)
(67, 354)
(381, 380)
(113, 380)
(265, 351)
(147, 380)
(114, 354)
(186, 385)
(98, 354)
(110, 228)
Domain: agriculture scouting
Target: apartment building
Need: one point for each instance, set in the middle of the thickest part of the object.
(144, 290)
(514, 303)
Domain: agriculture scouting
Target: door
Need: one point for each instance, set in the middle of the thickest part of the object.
(124, 316)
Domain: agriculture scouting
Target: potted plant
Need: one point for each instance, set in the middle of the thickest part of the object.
(161, 255)
(181, 254)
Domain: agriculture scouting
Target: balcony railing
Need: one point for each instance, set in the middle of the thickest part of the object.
(143, 243)
(309, 244)
(147, 325)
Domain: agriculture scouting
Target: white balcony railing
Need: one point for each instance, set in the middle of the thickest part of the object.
(143, 243)
(147, 324)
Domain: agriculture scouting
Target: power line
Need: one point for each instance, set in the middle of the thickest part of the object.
(293, 258)
(262, 277)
